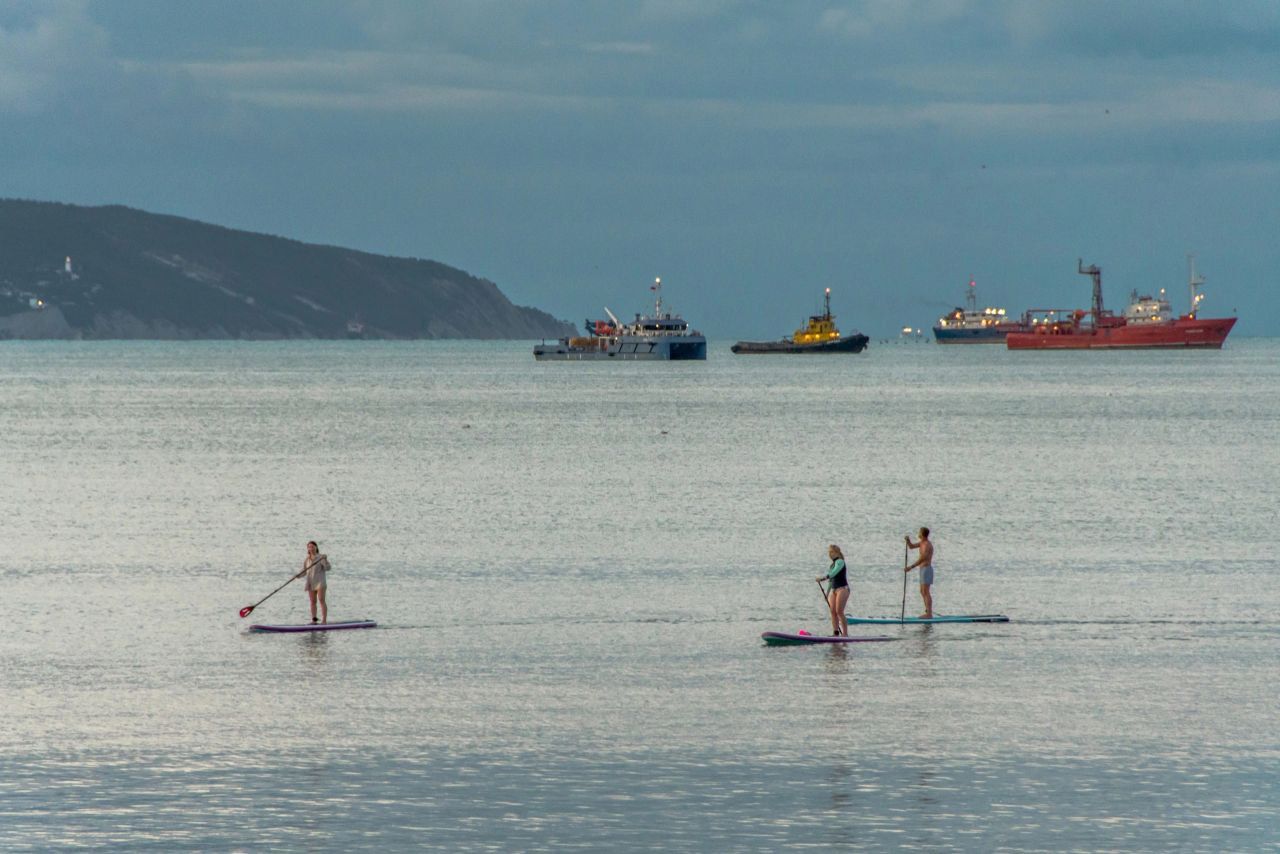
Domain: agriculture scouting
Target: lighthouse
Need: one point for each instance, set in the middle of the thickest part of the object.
(67, 266)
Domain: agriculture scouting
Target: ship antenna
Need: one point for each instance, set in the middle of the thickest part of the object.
(1194, 281)
(1094, 272)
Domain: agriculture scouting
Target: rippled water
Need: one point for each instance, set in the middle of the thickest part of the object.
(571, 565)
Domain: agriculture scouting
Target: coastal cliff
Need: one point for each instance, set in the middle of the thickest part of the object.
(133, 274)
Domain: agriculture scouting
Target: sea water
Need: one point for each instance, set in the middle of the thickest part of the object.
(571, 566)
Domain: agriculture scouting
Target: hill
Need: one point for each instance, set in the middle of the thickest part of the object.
(134, 274)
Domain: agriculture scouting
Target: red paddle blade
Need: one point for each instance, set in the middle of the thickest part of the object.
(246, 611)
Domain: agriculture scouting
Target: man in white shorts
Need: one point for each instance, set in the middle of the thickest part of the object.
(925, 562)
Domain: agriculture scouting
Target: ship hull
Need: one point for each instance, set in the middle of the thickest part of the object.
(1193, 333)
(626, 349)
(847, 344)
(969, 336)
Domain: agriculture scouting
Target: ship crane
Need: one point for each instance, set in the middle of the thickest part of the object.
(1194, 281)
(1094, 272)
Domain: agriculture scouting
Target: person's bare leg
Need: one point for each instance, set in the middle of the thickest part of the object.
(324, 606)
(926, 593)
(842, 599)
(311, 594)
(831, 611)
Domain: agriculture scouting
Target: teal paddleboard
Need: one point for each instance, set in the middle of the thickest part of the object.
(956, 618)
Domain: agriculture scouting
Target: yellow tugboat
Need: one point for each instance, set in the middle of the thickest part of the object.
(819, 335)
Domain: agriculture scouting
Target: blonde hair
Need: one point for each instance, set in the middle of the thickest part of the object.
(834, 548)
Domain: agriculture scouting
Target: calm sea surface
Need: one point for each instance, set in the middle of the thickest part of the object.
(571, 565)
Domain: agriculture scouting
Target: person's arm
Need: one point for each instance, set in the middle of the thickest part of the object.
(836, 566)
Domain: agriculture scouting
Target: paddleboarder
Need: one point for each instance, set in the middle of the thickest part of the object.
(315, 567)
(925, 562)
(837, 591)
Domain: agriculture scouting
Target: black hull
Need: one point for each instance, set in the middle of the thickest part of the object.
(847, 344)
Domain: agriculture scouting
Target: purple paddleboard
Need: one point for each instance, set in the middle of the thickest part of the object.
(784, 639)
(316, 627)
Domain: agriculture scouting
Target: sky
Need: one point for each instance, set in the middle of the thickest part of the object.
(749, 153)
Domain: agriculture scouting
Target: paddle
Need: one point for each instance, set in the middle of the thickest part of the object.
(826, 597)
(248, 609)
(902, 618)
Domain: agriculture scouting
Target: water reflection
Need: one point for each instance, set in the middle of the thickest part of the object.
(315, 648)
(922, 642)
(847, 805)
(923, 787)
(839, 776)
(836, 661)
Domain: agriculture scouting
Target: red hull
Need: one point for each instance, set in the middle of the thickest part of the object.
(1183, 332)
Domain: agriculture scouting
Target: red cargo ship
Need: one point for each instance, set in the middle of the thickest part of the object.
(1146, 323)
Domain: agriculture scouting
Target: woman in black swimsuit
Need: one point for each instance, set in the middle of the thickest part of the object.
(837, 591)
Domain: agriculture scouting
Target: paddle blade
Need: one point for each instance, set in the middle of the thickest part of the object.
(246, 611)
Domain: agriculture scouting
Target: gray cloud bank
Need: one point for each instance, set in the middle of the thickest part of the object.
(751, 153)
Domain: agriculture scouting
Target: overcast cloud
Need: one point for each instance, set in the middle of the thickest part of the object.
(751, 153)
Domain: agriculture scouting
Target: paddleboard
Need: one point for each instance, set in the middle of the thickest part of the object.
(784, 639)
(957, 618)
(316, 627)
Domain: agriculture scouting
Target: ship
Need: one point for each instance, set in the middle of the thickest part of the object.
(968, 325)
(1148, 323)
(661, 336)
(819, 335)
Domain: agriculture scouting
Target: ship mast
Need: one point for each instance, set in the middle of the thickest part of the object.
(656, 287)
(826, 306)
(1095, 273)
(1194, 281)
(971, 298)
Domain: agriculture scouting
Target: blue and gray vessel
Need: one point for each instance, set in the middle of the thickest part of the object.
(661, 336)
(968, 325)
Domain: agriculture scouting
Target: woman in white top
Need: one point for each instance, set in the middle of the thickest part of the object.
(314, 568)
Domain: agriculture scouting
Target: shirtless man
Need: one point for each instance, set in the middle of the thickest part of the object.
(925, 562)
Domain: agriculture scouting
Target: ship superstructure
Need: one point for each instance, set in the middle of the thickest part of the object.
(661, 336)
